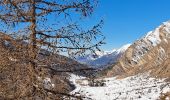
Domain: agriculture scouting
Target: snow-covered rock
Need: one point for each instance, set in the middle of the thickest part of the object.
(47, 83)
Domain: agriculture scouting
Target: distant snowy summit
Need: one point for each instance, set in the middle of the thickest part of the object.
(103, 58)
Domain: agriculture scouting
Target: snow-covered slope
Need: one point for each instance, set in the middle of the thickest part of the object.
(102, 59)
(138, 87)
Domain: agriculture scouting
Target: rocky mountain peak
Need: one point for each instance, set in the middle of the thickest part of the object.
(150, 53)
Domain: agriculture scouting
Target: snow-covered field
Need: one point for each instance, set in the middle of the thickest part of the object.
(138, 87)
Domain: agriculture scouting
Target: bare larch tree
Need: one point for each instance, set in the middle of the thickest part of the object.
(39, 24)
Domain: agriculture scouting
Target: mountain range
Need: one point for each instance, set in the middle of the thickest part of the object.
(143, 65)
(140, 71)
(101, 59)
(150, 53)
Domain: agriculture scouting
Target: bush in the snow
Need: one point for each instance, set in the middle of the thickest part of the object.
(97, 83)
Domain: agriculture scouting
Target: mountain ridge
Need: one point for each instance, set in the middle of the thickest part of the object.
(103, 58)
(150, 53)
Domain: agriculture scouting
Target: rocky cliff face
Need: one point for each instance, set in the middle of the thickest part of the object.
(151, 53)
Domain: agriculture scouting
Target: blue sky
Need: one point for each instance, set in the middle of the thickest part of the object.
(125, 20)
(128, 20)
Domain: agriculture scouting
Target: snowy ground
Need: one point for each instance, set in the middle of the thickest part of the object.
(139, 87)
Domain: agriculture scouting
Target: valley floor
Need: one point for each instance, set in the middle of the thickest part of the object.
(138, 87)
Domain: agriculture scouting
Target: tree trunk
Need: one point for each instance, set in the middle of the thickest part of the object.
(33, 31)
(33, 46)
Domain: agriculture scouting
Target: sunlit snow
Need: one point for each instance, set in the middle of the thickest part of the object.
(138, 87)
